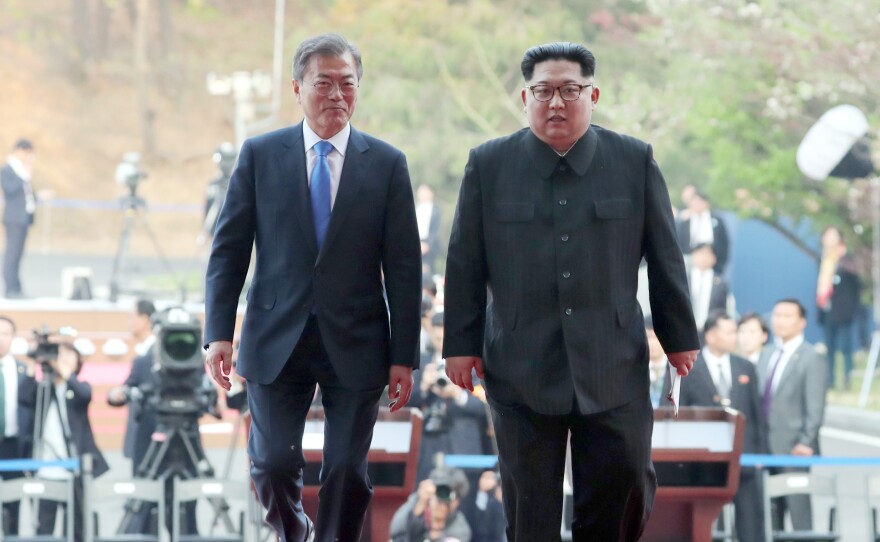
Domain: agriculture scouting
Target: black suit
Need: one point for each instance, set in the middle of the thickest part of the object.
(839, 317)
(20, 444)
(720, 240)
(557, 243)
(316, 316)
(698, 389)
(17, 219)
(141, 418)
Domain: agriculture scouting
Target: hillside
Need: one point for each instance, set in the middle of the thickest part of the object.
(83, 117)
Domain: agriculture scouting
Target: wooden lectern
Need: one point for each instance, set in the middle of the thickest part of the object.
(394, 453)
(696, 456)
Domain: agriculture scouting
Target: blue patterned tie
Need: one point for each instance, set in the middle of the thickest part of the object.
(320, 191)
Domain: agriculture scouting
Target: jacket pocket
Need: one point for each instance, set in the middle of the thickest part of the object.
(514, 212)
(260, 298)
(614, 208)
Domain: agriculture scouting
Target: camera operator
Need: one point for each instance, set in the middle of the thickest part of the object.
(141, 421)
(432, 511)
(485, 513)
(66, 433)
(17, 385)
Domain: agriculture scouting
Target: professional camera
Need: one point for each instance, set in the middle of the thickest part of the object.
(442, 380)
(129, 172)
(45, 348)
(443, 488)
(179, 384)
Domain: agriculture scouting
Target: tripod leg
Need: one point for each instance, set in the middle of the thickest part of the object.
(134, 508)
(163, 258)
(120, 253)
(203, 467)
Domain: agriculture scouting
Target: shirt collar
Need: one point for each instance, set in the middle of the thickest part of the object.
(143, 347)
(790, 346)
(339, 140)
(579, 157)
(712, 359)
(18, 167)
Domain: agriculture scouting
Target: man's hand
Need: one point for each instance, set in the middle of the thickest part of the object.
(683, 361)
(219, 363)
(458, 369)
(400, 385)
(802, 450)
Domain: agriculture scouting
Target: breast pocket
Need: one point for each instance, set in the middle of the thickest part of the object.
(611, 209)
(514, 212)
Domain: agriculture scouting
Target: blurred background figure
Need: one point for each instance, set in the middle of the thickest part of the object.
(428, 217)
(838, 289)
(701, 225)
(67, 433)
(17, 391)
(751, 336)
(215, 193)
(432, 512)
(657, 365)
(485, 513)
(18, 212)
(709, 291)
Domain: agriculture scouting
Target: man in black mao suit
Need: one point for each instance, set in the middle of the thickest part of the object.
(331, 210)
(553, 221)
(18, 211)
(720, 378)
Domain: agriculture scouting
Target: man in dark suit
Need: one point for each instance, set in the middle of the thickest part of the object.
(17, 400)
(553, 221)
(792, 376)
(709, 290)
(704, 226)
(720, 378)
(18, 212)
(317, 306)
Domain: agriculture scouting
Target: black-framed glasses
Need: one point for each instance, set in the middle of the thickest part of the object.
(569, 92)
(324, 88)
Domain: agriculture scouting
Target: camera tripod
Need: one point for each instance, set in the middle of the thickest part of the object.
(174, 452)
(133, 205)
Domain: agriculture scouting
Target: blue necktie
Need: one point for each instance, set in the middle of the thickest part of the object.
(320, 191)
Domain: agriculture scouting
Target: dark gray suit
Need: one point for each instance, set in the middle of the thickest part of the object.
(16, 220)
(555, 244)
(796, 413)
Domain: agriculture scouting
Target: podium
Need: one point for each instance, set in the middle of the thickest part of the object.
(394, 453)
(696, 456)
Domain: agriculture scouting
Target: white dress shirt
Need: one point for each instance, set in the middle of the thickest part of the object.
(424, 210)
(30, 202)
(10, 395)
(719, 368)
(701, 229)
(141, 348)
(701, 294)
(788, 349)
(336, 157)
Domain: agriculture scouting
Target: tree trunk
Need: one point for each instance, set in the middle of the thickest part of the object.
(142, 75)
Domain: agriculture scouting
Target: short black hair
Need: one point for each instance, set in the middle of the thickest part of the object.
(714, 318)
(560, 50)
(145, 307)
(752, 315)
(23, 145)
(801, 309)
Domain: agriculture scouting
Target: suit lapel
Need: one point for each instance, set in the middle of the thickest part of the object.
(294, 185)
(353, 176)
(791, 367)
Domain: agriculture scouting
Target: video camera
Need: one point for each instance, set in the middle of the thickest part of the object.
(129, 172)
(45, 349)
(179, 386)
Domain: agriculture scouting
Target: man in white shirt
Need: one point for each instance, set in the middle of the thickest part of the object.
(428, 218)
(709, 291)
(18, 212)
(792, 377)
(16, 419)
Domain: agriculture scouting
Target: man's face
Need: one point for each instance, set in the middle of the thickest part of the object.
(6, 336)
(751, 336)
(140, 324)
(557, 122)
(327, 115)
(786, 321)
(721, 339)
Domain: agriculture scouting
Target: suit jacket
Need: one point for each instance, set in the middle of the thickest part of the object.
(798, 404)
(141, 418)
(25, 409)
(15, 206)
(79, 395)
(371, 252)
(720, 243)
(698, 389)
(845, 302)
(558, 244)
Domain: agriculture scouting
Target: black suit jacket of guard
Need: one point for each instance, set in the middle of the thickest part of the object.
(371, 251)
(14, 199)
(698, 389)
(720, 240)
(559, 250)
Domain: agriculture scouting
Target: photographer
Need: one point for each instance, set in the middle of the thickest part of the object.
(66, 432)
(432, 512)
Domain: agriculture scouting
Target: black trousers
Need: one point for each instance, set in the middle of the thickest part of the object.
(16, 235)
(9, 449)
(278, 416)
(749, 507)
(613, 477)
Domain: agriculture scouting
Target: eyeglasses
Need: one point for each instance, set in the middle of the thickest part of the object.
(324, 88)
(569, 92)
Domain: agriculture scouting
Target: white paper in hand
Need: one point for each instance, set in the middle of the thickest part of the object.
(674, 388)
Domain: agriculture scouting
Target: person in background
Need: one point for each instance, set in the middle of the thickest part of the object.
(20, 205)
(792, 376)
(709, 290)
(702, 225)
(751, 336)
(838, 290)
(485, 513)
(428, 216)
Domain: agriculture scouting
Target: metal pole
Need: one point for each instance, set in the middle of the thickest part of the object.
(875, 277)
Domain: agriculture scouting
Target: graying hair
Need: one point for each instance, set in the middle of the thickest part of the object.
(329, 44)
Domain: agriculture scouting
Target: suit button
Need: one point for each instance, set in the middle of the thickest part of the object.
(568, 312)
(566, 275)
(564, 238)
(563, 202)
